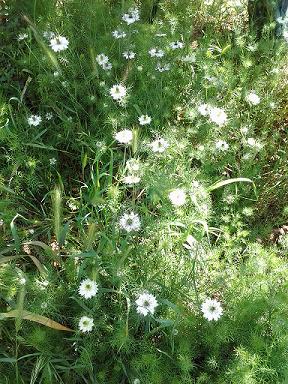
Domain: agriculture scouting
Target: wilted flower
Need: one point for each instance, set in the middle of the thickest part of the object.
(130, 222)
(88, 288)
(146, 304)
(133, 165)
(86, 324)
(177, 197)
(48, 35)
(131, 179)
(124, 137)
(144, 120)
(211, 309)
(59, 43)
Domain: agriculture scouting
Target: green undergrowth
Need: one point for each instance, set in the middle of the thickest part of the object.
(204, 179)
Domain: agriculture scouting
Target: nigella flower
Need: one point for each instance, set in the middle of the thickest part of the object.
(22, 36)
(251, 141)
(203, 109)
(102, 59)
(107, 66)
(130, 222)
(155, 52)
(217, 116)
(59, 43)
(88, 288)
(132, 16)
(177, 197)
(252, 98)
(48, 35)
(176, 45)
(118, 92)
(117, 34)
(129, 55)
(49, 116)
(159, 145)
(144, 120)
(86, 324)
(34, 120)
(211, 309)
(146, 304)
(163, 68)
(221, 145)
(131, 179)
(133, 165)
(124, 137)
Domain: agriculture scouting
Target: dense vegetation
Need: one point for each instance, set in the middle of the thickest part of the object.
(143, 193)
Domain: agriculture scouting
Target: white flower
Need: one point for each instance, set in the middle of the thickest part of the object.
(208, 2)
(34, 120)
(49, 115)
(22, 36)
(159, 145)
(124, 137)
(133, 165)
(88, 288)
(129, 55)
(163, 68)
(52, 161)
(146, 304)
(130, 222)
(48, 35)
(131, 179)
(132, 16)
(144, 120)
(177, 197)
(102, 59)
(211, 309)
(136, 381)
(203, 109)
(176, 45)
(217, 116)
(285, 35)
(118, 34)
(251, 141)
(118, 92)
(107, 66)
(86, 324)
(252, 98)
(59, 43)
(221, 145)
(155, 52)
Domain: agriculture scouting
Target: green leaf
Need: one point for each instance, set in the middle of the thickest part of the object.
(222, 183)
